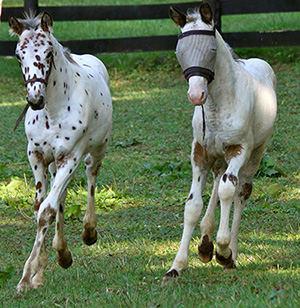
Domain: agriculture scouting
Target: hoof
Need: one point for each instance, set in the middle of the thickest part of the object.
(37, 281)
(206, 250)
(64, 259)
(89, 236)
(169, 276)
(37, 285)
(23, 285)
(230, 266)
(227, 262)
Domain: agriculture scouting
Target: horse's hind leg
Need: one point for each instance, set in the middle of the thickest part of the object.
(64, 256)
(206, 248)
(242, 196)
(89, 234)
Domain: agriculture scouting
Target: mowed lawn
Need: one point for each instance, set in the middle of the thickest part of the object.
(143, 185)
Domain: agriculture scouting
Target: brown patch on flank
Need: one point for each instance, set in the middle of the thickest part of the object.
(232, 151)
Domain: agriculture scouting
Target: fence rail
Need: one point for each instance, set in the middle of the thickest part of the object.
(160, 11)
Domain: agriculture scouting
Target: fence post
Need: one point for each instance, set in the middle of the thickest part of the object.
(218, 15)
(31, 6)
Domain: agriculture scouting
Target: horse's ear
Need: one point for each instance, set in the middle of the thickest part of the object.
(16, 27)
(206, 12)
(178, 17)
(46, 22)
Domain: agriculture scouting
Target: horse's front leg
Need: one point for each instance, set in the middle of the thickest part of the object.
(237, 156)
(66, 166)
(193, 208)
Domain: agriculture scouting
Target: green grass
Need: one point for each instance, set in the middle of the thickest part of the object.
(144, 181)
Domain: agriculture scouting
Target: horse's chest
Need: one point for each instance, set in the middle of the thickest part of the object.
(215, 128)
(47, 137)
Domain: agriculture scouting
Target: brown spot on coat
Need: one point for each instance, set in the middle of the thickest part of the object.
(191, 196)
(38, 185)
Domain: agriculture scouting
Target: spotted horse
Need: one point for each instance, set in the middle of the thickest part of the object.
(235, 109)
(69, 116)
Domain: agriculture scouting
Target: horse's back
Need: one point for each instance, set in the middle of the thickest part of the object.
(261, 71)
(264, 87)
(94, 63)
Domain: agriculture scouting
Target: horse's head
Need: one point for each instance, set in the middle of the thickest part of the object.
(35, 54)
(196, 49)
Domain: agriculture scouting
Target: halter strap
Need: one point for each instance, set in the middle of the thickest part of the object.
(197, 32)
(32, 80)
(41, 80)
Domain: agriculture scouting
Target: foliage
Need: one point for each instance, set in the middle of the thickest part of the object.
(268, 168)
(5, 275)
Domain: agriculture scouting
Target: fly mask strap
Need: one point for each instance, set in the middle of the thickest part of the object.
(196, 50)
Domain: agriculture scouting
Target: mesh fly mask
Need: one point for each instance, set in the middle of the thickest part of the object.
(196, 53)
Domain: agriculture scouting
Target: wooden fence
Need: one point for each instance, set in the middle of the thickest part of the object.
(160, 11)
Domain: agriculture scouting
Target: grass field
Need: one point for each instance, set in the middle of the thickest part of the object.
(141, 191)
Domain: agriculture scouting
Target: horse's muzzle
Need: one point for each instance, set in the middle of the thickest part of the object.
(36, 104)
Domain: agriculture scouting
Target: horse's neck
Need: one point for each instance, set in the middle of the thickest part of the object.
(224, 68)
(60, 82)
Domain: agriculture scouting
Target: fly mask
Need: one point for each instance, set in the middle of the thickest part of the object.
(196, 53)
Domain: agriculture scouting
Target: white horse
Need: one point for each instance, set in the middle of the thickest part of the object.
(70, 116)
(234, 115)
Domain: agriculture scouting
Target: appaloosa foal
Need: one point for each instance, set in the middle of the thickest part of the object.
(70, 115)
(235, 111)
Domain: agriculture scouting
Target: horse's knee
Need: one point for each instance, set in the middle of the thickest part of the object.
(46, 217)
(227, 186)
(192, 210)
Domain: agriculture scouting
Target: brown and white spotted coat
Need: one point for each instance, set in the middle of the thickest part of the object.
(239, 113)
(70, 116)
